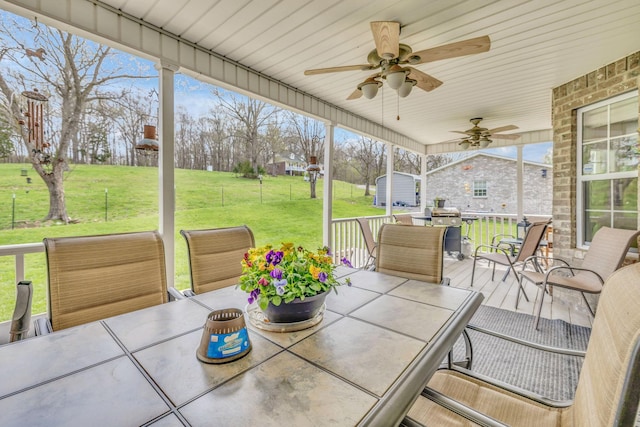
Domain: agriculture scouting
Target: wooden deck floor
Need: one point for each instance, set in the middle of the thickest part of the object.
(565, 305)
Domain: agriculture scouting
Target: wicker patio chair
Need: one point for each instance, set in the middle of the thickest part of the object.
(608, 389)
(95, 277)
(369, 241)
(604, 256)
(504, 256)
(215, 256)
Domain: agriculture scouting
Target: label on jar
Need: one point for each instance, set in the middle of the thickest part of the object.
(225, 345)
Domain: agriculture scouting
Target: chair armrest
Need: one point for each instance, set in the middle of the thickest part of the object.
(189, 293)
(551, 349)
(445, 281)
(458, 408)
(499, 237)
(174, 294)
(42, 326)
(493, 249)
(572, 270)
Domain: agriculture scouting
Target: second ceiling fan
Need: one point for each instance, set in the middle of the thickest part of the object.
(391, 57)
(478, 136)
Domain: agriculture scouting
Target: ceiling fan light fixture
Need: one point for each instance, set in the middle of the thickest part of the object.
(396, 77)
(484, 142)
(465, 144)
(406, 87)
(370, 87)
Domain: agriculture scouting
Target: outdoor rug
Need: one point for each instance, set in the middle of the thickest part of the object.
(551, 375)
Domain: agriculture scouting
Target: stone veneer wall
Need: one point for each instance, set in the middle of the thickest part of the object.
(500, 174)
(611, 80)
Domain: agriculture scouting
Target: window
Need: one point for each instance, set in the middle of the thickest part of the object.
(607, 175)
(479, 188)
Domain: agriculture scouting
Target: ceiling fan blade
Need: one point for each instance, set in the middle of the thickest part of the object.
(386, 35)
(462, 132)
(452, 50)
(504, 136)
(503, 129)
(354, 95)
(425, 81)
(363, 67)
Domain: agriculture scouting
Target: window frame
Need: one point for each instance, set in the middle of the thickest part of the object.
(607, 176)
(480, 188)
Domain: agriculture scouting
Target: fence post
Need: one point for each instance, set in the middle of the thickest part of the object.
(13, 211)
(106, 203)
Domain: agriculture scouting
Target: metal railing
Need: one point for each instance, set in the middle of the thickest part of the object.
(347, 239)
(18, 252)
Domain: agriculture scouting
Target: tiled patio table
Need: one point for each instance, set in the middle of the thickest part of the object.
(378, 344)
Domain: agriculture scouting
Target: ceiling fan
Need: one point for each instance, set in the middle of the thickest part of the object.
(392, 57)
(479, 137)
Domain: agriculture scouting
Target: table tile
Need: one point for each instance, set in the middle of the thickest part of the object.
(182, 376)
(111, 394)
(365, 354)
(54, 355)
(292, 392)
(418, 320)
(145, 327)
(170, 420)
(287, 339)
(377, 282)
(348, 299)
(229, 297)
(438, 295)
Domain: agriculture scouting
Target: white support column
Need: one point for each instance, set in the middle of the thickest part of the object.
(423, 183)
(519, 183)
(327, 198)
(166, 188)
(389, 189)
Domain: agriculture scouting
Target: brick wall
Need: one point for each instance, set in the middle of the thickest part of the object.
(611, 80)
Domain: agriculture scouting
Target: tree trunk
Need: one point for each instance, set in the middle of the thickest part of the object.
(57, 205)
(312, 186)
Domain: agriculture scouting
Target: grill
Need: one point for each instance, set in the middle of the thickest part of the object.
(451, 218)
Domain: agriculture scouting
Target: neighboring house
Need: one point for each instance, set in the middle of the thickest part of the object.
(287, 164)
(487, 183)
(406, 190)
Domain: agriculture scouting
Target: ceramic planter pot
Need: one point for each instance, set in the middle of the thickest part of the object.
(296, 310)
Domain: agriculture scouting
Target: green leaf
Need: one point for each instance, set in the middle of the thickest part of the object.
(276, 300)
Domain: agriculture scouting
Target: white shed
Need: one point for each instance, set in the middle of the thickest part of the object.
(405, 191)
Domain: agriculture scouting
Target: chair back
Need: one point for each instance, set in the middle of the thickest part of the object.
(95, 277)
(607, 250)
(532, 239)
(415, 252)
(609, 386)
(215, 256)
(367, 235)
(403, 219)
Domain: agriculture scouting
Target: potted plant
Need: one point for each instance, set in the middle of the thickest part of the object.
(289, 283)
(438, 202)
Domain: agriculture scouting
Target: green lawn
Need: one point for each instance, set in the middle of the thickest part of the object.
(278, 210)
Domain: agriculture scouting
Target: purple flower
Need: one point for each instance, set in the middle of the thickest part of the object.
(253, 295)
(274, 257)
(280, 284)
(346, 262)
(322, 276)
(276, 273)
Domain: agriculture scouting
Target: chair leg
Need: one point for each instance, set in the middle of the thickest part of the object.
(584, 297)
(473, 270)
(544, 291)
(520, 287)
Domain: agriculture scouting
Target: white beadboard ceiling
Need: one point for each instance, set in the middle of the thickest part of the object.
(535, 46)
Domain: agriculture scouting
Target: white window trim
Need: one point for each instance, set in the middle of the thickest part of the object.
(580, 178)
(486, 189)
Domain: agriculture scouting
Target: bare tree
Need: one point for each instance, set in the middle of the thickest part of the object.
(369, 155)
(308, 135)
(69, 68)
(253, 115)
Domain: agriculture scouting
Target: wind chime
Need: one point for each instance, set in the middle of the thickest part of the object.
(34, 121)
